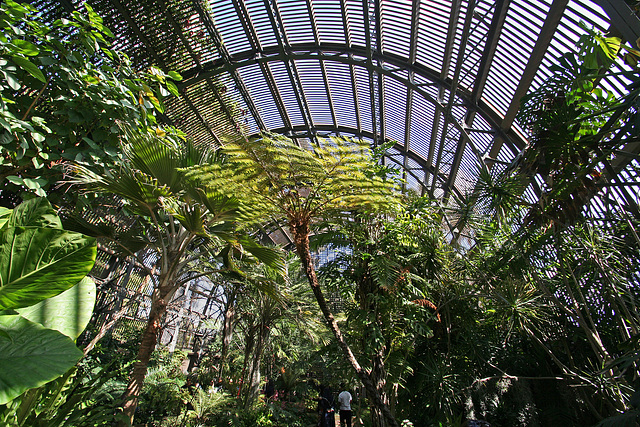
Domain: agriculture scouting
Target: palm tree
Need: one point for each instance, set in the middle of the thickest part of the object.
(178, 223)
(277, 178)
(271, 300)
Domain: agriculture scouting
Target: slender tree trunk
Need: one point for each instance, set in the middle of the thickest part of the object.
(254, 376)
(248, 350)
(379, 379)
(147, 345)
(378, 374)
(301, 231)
(227, 332)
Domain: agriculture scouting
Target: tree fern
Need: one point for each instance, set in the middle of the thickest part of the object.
(275, 178)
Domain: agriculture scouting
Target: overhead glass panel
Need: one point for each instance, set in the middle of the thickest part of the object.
(341, 84)
(199, 42)
(287, 91)
(229, 26)
(396, 27)
(457, 41)
(395, 106)
(422, 114)
(316, 92)
(477, 36)
(364, 97)
(514, 49)
(296, 21)
(328, 18)
(354, 21)
(432, 34)
(464, 66)
(261, 22)
(261, 96)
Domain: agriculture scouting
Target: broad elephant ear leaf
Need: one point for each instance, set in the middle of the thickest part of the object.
(68, 312)
(34, 213)
(31, 356)
(38, 263)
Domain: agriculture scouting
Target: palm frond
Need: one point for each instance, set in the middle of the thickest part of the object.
(271, 257)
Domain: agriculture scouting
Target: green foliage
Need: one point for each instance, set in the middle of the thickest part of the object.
(206, 406)
(57, 313)
(62, 88)
(276, 177)
(577, 123)
(32, 355)
(39, 261)
(553, 278)
(151, 185)
(163, 394)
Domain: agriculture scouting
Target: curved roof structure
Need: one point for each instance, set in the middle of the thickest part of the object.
(443, 79)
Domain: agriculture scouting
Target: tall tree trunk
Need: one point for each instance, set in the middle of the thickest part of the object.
(379, 379)
(254, 376)
(227, 331)
(147, 345)
(300, 229)
(248, 350)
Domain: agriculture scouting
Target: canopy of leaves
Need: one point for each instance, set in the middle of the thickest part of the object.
(275, 177)
(62, 87)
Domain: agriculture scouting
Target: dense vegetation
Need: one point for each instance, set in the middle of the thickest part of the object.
(494, 307)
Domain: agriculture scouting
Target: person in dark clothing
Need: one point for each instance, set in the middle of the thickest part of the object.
(325, 407)
(269, 388)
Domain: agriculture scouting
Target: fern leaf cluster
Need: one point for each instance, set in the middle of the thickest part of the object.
(275, 178)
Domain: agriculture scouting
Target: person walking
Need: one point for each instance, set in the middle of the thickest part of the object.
(325, 407)
(344, 400)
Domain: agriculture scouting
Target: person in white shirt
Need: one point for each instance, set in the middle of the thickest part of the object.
(344, 400)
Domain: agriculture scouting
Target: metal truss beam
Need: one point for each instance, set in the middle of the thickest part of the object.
(158, 60)
(178, 31)
(380, 82)
(454, 88)
(354, 56)
(292, 70)
(325, 77)
(556, 12)
(413, 48)
(224, 54)
(352, 73)
(369, 52)
(493, 35)
(444, 72)
(250, 32)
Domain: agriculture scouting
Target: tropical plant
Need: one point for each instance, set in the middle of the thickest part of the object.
(269, 303)
(557, 274)
(62, 87)
(206, 406)
(277, 178)
(176, 222)
(385, 271)
(46, 300)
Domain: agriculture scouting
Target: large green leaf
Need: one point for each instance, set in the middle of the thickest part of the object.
(29, 67)
(38, 263)
(31, 356)
(68, 312)
(4, 215)
(35, 213)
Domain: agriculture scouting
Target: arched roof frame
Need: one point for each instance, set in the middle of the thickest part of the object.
(468, 62)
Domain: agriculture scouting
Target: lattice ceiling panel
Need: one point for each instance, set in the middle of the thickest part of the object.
(441, 78)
